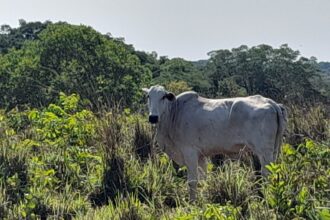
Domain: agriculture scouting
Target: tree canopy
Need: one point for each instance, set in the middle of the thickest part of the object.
(278, 73)
(72, 59)
(40, 60)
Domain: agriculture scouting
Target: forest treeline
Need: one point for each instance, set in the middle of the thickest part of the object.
(40, 59)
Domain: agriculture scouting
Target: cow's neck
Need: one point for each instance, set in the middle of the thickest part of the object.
(166, 128)
(168, 117)
(166, 132)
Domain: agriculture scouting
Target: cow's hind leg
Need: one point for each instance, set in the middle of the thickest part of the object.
(191, 161)
(265, 157)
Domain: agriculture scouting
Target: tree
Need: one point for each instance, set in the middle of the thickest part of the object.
(72, 59)
(276, 73)
(324, 85)
(15, 37)
(178, 69)
(178, 87)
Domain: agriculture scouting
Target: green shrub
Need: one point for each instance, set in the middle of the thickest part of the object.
(300, 182)
(64, 162)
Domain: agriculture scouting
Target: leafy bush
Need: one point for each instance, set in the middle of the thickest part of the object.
(299, 184)
(47, 155)
(63, 161)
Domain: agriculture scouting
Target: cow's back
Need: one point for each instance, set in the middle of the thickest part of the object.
(220, 123)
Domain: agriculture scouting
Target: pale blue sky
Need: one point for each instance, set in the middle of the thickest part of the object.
(190, 28)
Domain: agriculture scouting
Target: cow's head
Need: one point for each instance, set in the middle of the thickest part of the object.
(158, 100)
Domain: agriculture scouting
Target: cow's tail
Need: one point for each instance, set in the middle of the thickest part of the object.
(282, 119)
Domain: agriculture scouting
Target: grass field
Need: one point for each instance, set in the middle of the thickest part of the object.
(65, 162)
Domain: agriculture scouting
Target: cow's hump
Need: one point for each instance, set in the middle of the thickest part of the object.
(186, 96)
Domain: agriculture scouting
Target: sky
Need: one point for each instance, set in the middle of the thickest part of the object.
(190, 28)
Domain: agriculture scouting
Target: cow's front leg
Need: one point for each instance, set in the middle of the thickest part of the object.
(191, 161)
(202, 168)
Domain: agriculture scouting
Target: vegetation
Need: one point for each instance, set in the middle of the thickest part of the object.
(71, 58)
(75, 144)
(66, 162)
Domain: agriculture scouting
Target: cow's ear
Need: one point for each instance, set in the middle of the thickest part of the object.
(145, 90)
(170, 96)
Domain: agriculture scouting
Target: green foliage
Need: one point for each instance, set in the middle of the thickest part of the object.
(129, 208)
(237, 185)
(71, 58)
(276, 73)
(62, 161)
(61, 125)
(178, 69)
(48, 157)
(178, 87)
(314, 124)
(143, 140)
(299, 184)
(43, 59)
(208, 212)
(15, 37)
(325, 67)
(159, 191)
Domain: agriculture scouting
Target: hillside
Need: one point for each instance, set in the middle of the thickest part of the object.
(325, 66)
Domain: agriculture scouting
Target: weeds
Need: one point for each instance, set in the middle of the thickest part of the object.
(312, 123)
(64, 162)
(143, 140)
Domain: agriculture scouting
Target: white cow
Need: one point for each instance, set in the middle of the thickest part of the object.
(191, 128)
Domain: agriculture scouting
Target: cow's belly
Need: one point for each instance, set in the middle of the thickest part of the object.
(210, 150)
(217, 140)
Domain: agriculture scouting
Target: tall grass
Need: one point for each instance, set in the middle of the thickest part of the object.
(57, 163)
(312, 123)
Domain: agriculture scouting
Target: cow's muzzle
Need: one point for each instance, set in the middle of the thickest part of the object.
(153, 119)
